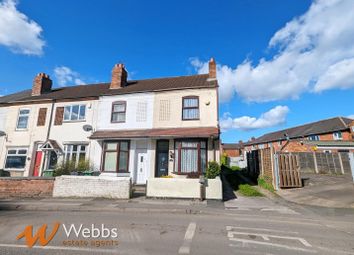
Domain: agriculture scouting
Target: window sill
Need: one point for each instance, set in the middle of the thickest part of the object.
(73, 121)
(189, 119)
(115, 122)
(21, 129)
(14, 169)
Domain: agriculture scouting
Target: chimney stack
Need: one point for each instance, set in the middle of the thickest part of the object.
(212, 69)
(41, 84)
(119, 77)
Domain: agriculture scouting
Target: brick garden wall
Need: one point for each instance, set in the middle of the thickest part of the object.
(26, 187)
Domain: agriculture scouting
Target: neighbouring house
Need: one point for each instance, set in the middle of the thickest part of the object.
(142, 128)
(233, 149)
(329, 135)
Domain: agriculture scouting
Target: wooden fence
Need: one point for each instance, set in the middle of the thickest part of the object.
(289, 170)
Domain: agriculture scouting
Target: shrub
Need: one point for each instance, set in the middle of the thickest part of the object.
(213, 170)
(62, 169)
(193, 175)
(248, 191)
(84, 165)
(236, 168)
(69, 166)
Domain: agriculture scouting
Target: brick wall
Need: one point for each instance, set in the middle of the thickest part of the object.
(26, 187)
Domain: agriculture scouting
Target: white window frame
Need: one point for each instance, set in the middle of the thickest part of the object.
(23, 115)
(71, 111)
(77, 152)
(314, 138)
(17, 149)
(336, 135)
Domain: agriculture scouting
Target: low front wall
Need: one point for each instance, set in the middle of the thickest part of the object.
(23, 187)
(182, 188)
(92, 186)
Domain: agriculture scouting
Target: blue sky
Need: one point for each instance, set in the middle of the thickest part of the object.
(272, 75)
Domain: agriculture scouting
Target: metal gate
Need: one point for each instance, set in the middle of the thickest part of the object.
(289, 171)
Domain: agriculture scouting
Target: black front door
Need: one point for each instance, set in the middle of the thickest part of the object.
(161, 158)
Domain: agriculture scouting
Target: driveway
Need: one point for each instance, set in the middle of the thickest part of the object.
(323, 190)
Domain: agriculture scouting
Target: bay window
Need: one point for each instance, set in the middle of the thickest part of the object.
(190, 156)
(116, 156)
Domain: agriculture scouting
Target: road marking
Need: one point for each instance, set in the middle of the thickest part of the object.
(59, 248)
(265, 237)
(185, 248)
(261, 229)
(244, 241)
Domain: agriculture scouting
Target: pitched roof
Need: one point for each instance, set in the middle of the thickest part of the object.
(100, 89)
(232, 146)
(314, 128)
(157, 132)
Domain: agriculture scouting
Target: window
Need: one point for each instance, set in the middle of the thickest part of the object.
(16, 158)
(314, 138)
(280, 142)
(75, 152)
(22, 121)
(116, 157)
(118, 112)
(190, 156)
(190, 108)
(75, 112)
(337, 135)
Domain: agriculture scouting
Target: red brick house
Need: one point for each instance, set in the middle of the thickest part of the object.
(329, 135)
(232, 149)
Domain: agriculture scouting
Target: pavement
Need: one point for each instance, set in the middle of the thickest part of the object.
(163, 226)
(332, 191)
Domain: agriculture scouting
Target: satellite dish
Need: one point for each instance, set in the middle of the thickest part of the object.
(87, 128)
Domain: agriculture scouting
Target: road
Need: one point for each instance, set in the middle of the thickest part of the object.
(298, 230)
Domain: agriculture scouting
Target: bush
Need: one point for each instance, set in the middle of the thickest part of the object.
(193, 175)
(69, 166)
(213, 170)
(4, 173)
(236, 168)
(248, 191)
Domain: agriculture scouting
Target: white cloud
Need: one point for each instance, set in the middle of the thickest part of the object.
(273, 117)
(313, 52)
(18, 32)
(351, 116)
(65, 76)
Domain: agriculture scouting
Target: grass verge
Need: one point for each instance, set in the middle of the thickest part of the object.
(248, 191)
(265, 185)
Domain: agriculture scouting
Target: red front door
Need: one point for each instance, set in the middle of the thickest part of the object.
(37, 163)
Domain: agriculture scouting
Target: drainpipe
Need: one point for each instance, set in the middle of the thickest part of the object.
(50, 119)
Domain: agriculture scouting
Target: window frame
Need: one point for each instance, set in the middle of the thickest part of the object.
(77, 152)
(119, 112)
(190, 107)
(118, 150)
(71, 111)
(14, 155)
(198, 148)
(336, 135)
(23, 115)
(314, 138)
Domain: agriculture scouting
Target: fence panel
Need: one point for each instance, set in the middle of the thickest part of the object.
(289, 170)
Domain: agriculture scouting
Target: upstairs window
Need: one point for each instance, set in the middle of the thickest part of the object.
(75, 112)
(22, 121)
(118, 112)
(190, 108)
(314, 138)
(337, 135)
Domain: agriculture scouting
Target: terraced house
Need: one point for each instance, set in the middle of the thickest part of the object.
(142, 129)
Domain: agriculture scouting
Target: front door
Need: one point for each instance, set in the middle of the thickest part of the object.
(37, 163)
(162, 158)
(141, 168)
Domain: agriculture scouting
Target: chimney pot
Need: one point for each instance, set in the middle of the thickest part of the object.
(212, 69)
(119, 76)
(41, 84)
